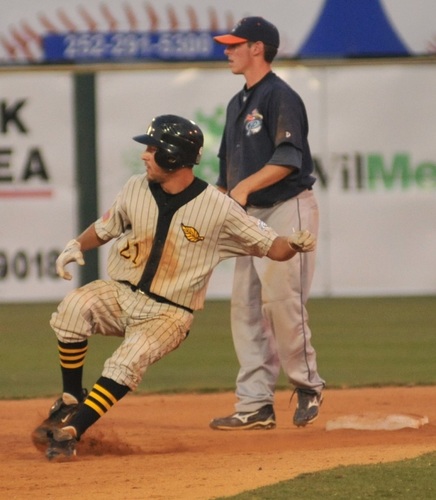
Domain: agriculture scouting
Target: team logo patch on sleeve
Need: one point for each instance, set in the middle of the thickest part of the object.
(191, 234)
(263, 226)
(253, 122)
(106, 216)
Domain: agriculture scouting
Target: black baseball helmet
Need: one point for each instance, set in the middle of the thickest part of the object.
(179, 141)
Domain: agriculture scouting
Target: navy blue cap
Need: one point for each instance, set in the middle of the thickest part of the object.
(251, 29)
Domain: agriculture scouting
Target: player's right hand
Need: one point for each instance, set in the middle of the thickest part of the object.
(71, 253)
(302, 241)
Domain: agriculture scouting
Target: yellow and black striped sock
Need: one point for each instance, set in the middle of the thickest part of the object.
(72, 359)
(104, 394)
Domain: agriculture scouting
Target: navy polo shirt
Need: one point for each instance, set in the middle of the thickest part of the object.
(266, 124)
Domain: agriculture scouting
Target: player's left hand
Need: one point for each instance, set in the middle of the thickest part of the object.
(71, 253)
(302, 241)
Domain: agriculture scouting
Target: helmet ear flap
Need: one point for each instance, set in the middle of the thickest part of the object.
(167, 161)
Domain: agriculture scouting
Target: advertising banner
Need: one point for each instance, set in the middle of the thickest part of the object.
(381, 157)
(373, 148)
(56, 31)
(37, 183)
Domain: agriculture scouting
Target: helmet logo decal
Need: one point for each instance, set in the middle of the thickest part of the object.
(253, 122)
(191, 234)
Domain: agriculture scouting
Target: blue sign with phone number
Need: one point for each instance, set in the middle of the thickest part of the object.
(132, 46)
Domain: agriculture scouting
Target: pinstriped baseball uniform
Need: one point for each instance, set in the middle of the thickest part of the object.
(190, 240)
(164, 251)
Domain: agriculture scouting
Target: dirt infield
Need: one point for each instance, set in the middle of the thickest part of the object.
(160, 446)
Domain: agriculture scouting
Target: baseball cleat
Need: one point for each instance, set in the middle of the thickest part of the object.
(60, 413)
(62, 444)
(264, 418)
(308, 404)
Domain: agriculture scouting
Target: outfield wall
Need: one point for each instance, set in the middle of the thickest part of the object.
(372, 133)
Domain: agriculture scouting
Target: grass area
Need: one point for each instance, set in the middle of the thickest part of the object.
(415, 478)
(359, 342)
(375, 341)
(29, 364)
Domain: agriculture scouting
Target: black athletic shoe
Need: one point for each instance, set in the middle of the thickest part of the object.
(59, 415)
(264, 418)
(308, 404)
(62, 444)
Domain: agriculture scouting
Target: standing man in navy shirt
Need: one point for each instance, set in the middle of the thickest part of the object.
(266, 166)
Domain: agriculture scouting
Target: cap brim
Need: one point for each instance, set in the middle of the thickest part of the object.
(229, 39)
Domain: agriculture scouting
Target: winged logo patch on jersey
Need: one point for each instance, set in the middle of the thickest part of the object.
(253, 122)
(191, 234)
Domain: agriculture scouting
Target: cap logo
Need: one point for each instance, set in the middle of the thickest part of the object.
(236, 27)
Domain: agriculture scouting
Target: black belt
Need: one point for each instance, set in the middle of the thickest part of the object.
(157, 298)
(265, 205)
(270, 205)
(249, 205)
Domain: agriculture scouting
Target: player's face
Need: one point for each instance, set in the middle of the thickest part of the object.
(154, 172)
(239, 57)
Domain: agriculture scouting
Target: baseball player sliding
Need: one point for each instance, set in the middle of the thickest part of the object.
(170, 229)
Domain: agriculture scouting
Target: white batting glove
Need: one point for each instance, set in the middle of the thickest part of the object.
(71, 253)
(302, 241)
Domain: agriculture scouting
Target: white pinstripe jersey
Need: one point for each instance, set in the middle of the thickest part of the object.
(180, 248)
